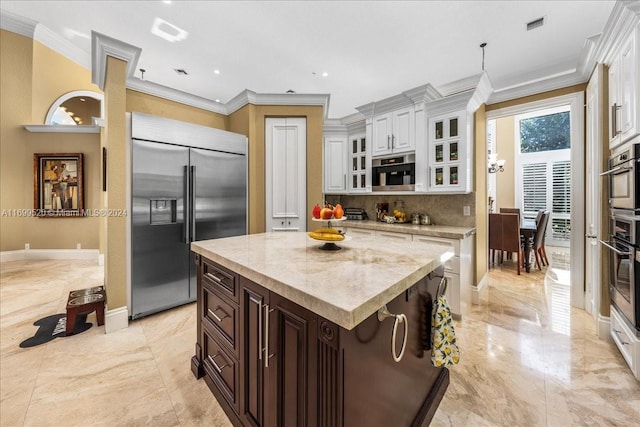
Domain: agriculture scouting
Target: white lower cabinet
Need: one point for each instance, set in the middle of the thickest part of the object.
(359, 232)
(457, 269)
(626, 341)
(397, 236)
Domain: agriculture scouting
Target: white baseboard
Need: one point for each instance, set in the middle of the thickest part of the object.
(116, 319)
(477, 290)
(604, 328)
(40, 254)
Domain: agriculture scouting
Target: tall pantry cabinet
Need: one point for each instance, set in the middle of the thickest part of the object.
(285, 170)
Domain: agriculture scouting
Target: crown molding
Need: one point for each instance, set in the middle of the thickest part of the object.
(14, 23)
(103, 46)
(462, 85)
(624, 16)
(544, 84)
(366, 110)
(424, 93)
(171, 94)
(458, 101)
(301, 99)
(588, 59)
(481, 93)
(334, 127)
(61, 45)
(355, 123)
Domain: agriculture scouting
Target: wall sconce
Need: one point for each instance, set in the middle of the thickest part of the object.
(494, 164)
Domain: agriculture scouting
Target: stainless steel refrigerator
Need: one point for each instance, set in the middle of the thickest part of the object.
(188, 183)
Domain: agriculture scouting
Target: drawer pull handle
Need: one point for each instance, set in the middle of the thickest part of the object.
(215, 365)
(621, 341)
(214, 278)
(215, 316)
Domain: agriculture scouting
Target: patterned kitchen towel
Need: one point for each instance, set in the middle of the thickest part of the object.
(444, 350)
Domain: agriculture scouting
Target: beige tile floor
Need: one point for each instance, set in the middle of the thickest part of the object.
(527, 359)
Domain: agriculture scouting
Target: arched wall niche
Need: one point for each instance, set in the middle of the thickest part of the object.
(80, 107)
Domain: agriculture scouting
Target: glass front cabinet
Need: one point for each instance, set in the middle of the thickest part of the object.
(357, 163)
(449, 156)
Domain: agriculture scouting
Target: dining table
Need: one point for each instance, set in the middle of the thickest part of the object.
(528, 232)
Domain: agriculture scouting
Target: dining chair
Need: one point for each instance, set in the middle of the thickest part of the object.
(495, 236)
(511, 236)
(539, 216)
(538, 240)
(511, 211)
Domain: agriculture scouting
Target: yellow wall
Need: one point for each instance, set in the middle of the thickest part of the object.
(15, 107)
(480, 154)
(149, 104)
(30, 82)
(53, 76)
(250, 120)
(115, 134)
(505, 147)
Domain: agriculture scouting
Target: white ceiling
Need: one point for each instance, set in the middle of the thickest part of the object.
(370, 49)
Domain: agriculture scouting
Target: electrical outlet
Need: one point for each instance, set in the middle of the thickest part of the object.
(78, 246)
(466, 210)
(27, 246)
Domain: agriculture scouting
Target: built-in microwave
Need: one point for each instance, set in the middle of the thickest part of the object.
(624, 179)
(396, 173)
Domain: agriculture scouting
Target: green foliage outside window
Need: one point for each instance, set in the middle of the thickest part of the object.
(545, 133)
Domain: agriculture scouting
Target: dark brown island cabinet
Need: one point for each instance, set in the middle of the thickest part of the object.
(271, 362)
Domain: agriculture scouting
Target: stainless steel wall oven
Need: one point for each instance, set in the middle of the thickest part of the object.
(624, 265)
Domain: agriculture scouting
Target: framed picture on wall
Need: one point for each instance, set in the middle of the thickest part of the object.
(58, 184)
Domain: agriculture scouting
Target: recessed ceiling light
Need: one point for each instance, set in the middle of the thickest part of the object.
(216, 71)
(168, 31)
(166, 1)
(325, 74)
(82, 100)
(70, 113)
(217, 100)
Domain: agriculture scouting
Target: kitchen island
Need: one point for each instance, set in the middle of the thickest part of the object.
(289, 334)
(461, 291)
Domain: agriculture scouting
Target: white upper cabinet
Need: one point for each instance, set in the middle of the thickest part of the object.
(358, 163)
(450, 153)
(624, 91)
(346, 158)
(335, 164)
(394, 132)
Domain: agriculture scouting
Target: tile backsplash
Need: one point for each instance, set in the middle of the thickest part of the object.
(442, 209)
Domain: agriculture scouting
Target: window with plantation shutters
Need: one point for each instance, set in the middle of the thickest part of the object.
(561, 206)
(544, 170)
(534, 187)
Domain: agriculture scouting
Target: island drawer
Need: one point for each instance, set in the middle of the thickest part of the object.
(220, 277)
(222, 369)
(220, 316)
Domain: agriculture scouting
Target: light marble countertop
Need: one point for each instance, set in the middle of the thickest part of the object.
(344, 286)
(445, 231)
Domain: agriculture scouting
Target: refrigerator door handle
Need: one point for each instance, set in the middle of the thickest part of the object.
(185, 205)
(192, 210)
